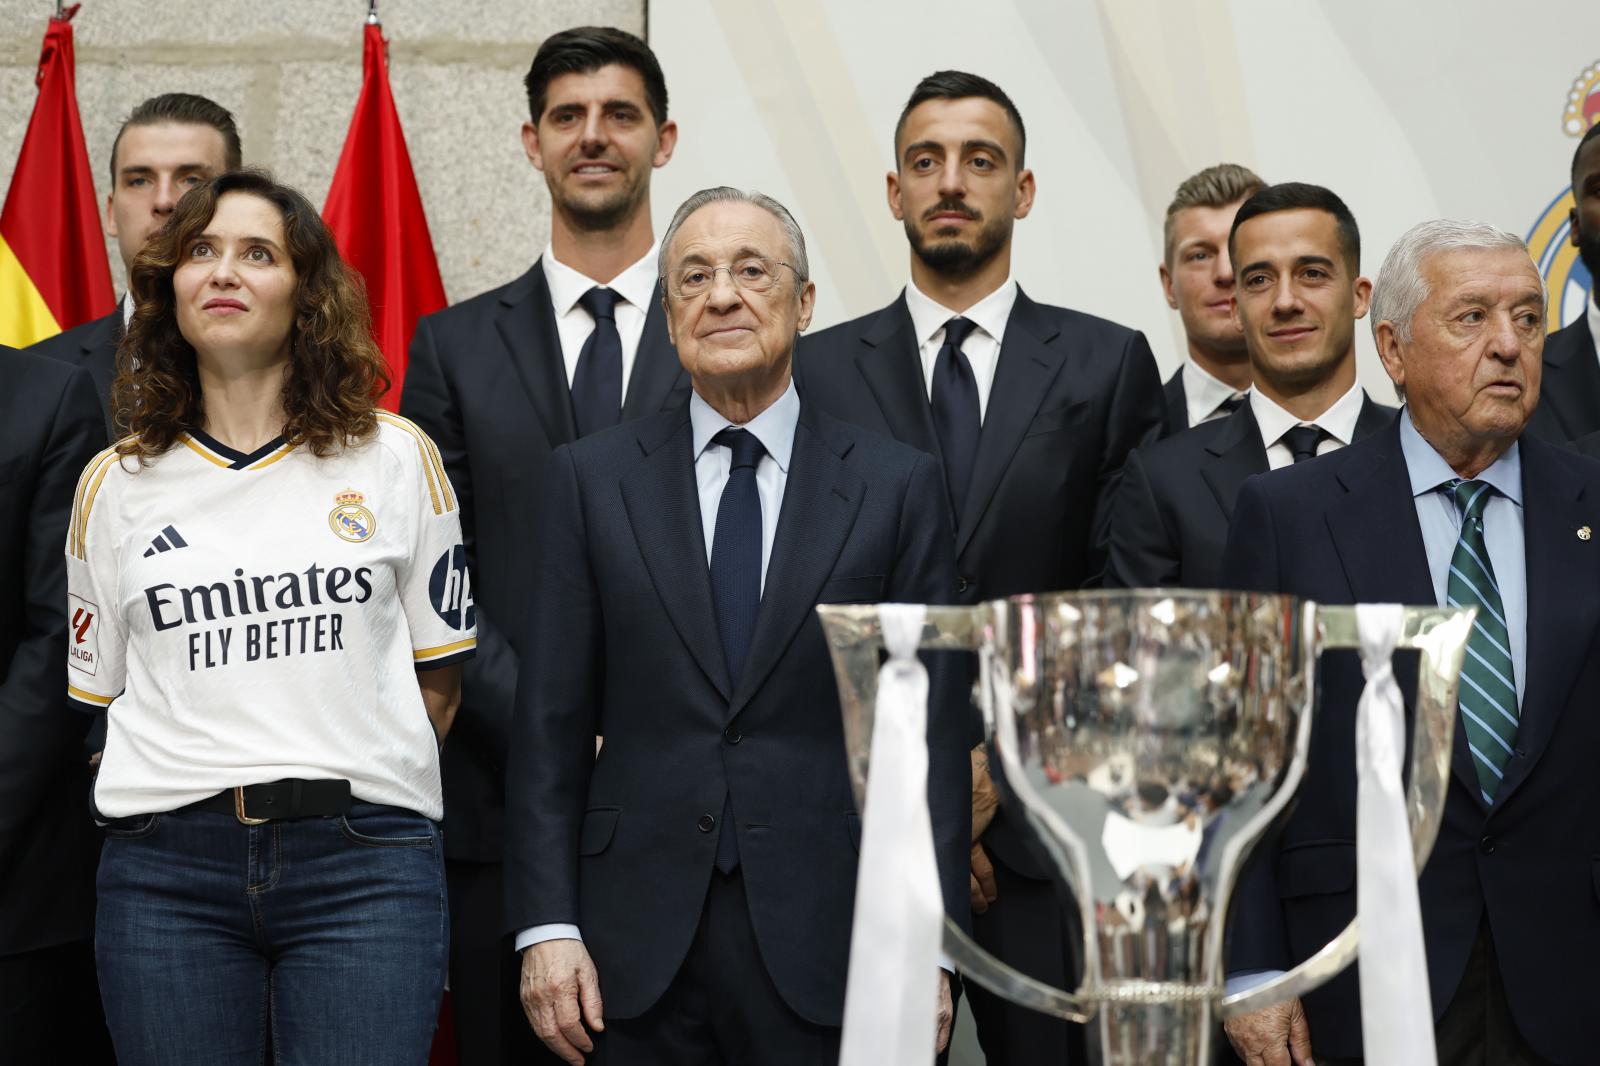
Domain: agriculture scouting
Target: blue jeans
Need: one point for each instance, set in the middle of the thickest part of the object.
(317, 941)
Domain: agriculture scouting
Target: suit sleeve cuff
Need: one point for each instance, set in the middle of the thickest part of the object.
(538, 934)
(1245, 980)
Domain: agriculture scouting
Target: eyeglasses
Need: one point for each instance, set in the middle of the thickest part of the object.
(753, 274)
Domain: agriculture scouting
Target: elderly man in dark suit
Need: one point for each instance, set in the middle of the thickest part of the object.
(168, 145)
(49, 1001)
(1455, 504)
(576, 344)
(1298, 297)
(1569, 404)
(700, 868)
(1032, 409)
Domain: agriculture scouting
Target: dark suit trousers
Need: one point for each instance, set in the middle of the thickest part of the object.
(1028, 926)
(1476, 1028)
(722, 1007)
(485, 972)
(50, 1008)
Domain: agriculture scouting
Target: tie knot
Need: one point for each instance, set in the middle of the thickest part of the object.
(600, 302)
(1471, 497)
(1232, 403)
(1303, 440)
(746, 446)
(957, 330)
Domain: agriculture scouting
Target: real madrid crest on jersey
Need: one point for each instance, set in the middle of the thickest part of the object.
(349, 519)
(1550, 239)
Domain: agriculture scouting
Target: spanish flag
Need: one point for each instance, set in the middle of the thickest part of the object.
(53, 269)
(375, 213)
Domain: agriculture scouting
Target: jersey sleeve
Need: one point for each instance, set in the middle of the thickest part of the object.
(434, 583)
(96, 639)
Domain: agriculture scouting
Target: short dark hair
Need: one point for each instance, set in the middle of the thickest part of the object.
(1590, 134)
(1298, 196)
(586, 49)
(186, 109)
(959, 85)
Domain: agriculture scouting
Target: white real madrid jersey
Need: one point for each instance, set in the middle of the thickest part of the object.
(247, 618)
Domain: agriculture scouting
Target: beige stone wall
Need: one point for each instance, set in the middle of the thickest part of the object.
(290, 71)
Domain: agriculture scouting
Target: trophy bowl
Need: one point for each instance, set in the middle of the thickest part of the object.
(1145, 740)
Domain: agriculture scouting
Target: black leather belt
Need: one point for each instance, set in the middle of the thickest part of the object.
(277, 800)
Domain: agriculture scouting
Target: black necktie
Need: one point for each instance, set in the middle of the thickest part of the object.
(736, 583)
(1303, 441)
(955, 409)
(1231, 404)
(597, 383)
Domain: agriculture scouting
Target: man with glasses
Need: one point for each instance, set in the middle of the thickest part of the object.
(687, 896)
(576, 344)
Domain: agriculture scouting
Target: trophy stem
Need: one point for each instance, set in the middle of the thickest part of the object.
(1152, 1034)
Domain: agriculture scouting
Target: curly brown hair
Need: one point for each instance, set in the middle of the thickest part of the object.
(335, 374)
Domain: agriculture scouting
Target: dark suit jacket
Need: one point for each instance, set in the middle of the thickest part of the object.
(1343, 529)
(1172, 510)
(92, 346)
(1569, 394)
(1072, 396)
(487, 382)
(623, 643)
(50, 427)
(1177, 398)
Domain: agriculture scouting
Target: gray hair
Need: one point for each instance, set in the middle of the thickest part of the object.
(1401, 288)
(725, 194)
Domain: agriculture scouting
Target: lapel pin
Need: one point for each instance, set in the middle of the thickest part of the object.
(1584, 533)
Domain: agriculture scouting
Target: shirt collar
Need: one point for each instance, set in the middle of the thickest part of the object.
(1593, 311)
(990, 314)
(636, 284)
(127, 310)
(1338, 421)
(774, 427)
(1207, 390)
(1428, 470)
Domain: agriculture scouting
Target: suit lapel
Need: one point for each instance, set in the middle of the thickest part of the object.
(663, 504)
(820, 502)
(657, 377)
(1236, 454)
(1177, 403)
(1374, 418)
(1379, 541)
(98, 354)
(891, 364)
(527, 325)
(1561, 626)
(1572, 379)
(1028, 362)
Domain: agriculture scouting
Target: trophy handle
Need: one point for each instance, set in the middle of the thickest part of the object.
(1440, 634)
(854, 641)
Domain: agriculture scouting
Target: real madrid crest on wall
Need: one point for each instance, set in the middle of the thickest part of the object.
(350, 519)
(1550, 239)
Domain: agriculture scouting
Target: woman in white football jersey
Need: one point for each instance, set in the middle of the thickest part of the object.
(269, 597)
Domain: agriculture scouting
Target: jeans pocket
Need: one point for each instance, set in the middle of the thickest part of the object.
(132, 827)
(397, 829)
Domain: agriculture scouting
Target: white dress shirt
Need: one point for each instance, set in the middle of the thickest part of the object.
(1204, 393)
(1337, 422)
(775, 428)
(637, 287)
(982, 346)
(1593, 311)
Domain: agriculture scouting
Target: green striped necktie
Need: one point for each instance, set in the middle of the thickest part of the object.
(1488, 695)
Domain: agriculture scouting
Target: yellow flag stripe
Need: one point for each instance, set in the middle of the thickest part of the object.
(24, 316)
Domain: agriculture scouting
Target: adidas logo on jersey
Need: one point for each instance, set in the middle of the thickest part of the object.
(165, 542)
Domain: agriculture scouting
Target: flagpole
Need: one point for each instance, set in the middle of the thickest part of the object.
(372, 12)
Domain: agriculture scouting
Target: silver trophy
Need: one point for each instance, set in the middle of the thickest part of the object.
(1146, 740)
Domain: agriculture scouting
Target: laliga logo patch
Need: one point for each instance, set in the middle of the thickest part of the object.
(1550, 239)
(349, 519)
(83, 635)
(450, 588)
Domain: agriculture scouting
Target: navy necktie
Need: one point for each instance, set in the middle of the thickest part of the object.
(956, 416)
(1230, 405)
(736, 583)
(1302, 441)
(597, 383)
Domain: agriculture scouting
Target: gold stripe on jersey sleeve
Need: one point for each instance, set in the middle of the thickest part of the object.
(89, 697)
(75, 542)
(203, 452)
(432, 467)
(444, 649)
(89, 488)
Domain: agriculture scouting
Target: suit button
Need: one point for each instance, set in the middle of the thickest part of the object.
(1486, 845)
(732, 735)
(706, 823)
(962, 584)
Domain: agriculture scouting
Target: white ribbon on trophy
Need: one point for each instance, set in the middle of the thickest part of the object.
(1396, 1010)
(891, 1000)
